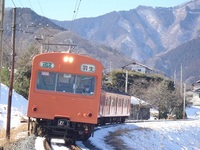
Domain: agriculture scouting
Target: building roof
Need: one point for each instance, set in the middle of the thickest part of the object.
(136, 63)
(137, 101)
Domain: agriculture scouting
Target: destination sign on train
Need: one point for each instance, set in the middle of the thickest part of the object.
(87, 68)
(46, 64)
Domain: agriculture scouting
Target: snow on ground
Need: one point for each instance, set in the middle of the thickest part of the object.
(155, 135)
(18, 101)
(15, 116)
(164, 135)
(19, 107)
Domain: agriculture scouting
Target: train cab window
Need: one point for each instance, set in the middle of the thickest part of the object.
(46, 80)
(85, 85)
(65, 82)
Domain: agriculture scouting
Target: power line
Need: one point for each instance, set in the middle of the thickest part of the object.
(40, 8)
(21, 3)
(13, 3)
(30, 4)
(74, 14)
(76, 9)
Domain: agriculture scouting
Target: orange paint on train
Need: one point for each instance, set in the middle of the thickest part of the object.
(72, 71)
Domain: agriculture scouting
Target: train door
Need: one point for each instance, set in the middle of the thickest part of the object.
(125, 109)
(102, 103)
(119, 111)
(107, 106)
(122, 110)
(110, 105)
(116, 105)
(128, 106)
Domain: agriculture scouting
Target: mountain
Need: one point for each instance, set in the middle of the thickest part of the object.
(145, 34)
(142, 32)
(30, 26)
(186, 56)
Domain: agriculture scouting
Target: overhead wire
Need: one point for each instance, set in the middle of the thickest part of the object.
(30, 5)
(49, 33)
(75, 12)
(13, 3)
(40, 8)
(21, 3)
(18, 28)
(77, 8)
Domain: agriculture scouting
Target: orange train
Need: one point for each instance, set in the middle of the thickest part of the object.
(66, 98)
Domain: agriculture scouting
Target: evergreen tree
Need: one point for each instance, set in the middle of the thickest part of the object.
(23, 73)
(5, 76)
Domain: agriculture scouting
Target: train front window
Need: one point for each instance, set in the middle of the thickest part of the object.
(46, 80)
(63, 82)
(85, 85)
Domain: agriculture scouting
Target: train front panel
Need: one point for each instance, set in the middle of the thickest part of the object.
(65, 85)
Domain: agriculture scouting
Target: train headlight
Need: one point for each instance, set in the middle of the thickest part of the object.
(71, 59)
(68, 59)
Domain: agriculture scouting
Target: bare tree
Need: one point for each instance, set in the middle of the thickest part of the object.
(163, 99)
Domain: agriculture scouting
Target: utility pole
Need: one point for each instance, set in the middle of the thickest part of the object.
(181, 82)
(110, 72)
(174, 78)
(11, 76)
(41, 43)
(184, 89)
(126, 84)
(1, 38)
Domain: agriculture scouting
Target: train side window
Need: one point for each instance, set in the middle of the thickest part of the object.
(46, 80)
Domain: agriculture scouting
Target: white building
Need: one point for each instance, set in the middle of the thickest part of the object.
(193, 97)
(138, 68)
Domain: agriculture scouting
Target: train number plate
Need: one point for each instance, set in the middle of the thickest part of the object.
(88, 68)
(46, 64)
(63, 122)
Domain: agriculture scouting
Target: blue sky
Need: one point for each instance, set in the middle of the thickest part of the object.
(64, 9)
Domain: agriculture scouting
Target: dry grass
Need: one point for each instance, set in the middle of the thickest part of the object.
(15, 135)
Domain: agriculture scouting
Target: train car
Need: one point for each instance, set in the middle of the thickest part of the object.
(64, 96)
(114, 106)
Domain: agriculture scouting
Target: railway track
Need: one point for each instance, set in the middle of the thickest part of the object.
(70, 146)
(74, 147)
(47, 145)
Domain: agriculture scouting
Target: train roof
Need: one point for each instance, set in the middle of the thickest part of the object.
(113, 90)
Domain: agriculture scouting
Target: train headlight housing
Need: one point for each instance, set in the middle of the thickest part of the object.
(68, 59)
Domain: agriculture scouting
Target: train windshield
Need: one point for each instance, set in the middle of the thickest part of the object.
(63, 82)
